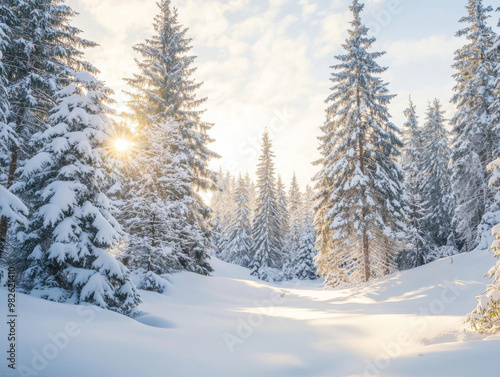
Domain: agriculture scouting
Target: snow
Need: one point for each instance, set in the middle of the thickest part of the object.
(231, 324)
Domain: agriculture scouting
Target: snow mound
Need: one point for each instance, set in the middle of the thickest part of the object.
(154, 321)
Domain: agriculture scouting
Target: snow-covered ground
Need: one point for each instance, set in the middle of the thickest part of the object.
(231, 325)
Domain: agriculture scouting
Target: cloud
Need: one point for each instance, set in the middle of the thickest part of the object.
(308, 8)
(433, 47)
(333, 33)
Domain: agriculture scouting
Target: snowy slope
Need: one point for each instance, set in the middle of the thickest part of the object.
(407, 324)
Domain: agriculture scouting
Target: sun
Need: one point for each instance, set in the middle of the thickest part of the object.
(122, 145)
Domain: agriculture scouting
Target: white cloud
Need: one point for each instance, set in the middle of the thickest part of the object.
(207, 21)
(333, 33)
(308, 8)
(436, 46)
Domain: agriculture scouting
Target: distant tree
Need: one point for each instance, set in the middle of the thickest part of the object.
(240, 244)
(266, 228)
(435, 178)
(297, 222)
(283, 219)
(304, 267)
(412, 164)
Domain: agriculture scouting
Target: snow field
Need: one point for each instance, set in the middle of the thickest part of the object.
(231, 324)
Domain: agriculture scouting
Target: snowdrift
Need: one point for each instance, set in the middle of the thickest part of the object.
(407, 324)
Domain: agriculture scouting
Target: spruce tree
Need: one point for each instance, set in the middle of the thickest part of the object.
(240, 245)
(12, 209)
(41, 47)
(486, 317)
(267, 258)
(164, 89)
(304, 267)
(226, 214)
(296, 205)
(71, 229)
(435, 178)
(156, 211)
(283, 218)
(364, 203)
(252, 194)
(492, 215)
(412, 164)
(217, 207)
(476, 138)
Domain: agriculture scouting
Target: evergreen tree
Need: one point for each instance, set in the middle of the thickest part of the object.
(240, 246)
(304, 267)
(492, 215)
(252, 194)
(435, 178)
(283, 216)
(226, 214)
(41, 47)
(217, 207)
(412, 164)
(297, 213)
(486, 317)
(71, 229)
(11, 207)
(475, 138)
(364, 202)
(266, 228)
(156, 212)
(163, 90)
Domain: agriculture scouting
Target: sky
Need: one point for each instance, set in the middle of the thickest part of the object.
(266, 64)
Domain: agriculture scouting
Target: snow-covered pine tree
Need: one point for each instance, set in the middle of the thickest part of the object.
(11, 207)
(252, 194)
(226, 211)
(307, 205)
(267, 258)
(41, 46)
(217, 207)
(296, 205)
(71, 228)
(283, 219)
(304, 266)
(492, 215)
(494, 54)
(364, 202)
(476, 139)
(435, 178)
(164, 89)
(156, 212)
(239, 247)
(412, 164)
(486, 317)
